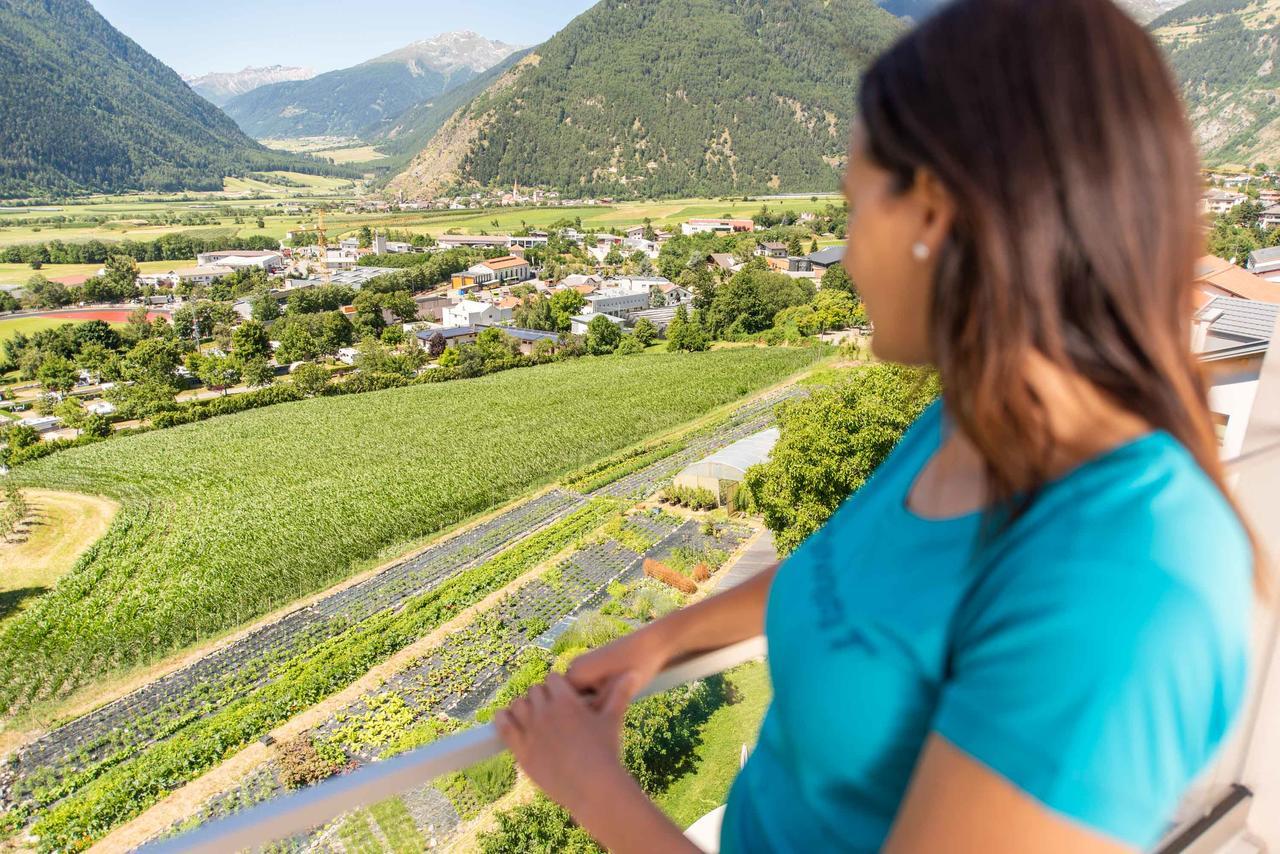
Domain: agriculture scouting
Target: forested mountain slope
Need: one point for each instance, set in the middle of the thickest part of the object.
(1224, 53)
(84, 108)
(669, 97)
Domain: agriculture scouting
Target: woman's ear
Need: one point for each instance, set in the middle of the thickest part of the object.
(937, 209)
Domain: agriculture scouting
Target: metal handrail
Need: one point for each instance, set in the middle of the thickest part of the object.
(305, 810)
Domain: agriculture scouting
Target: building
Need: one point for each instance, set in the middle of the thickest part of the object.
(721, 472)
(619, 299)
(675, 294)
(1270, 217)
(772, 249)
(1265, 263)
(453, 336)
(473, 313)
(508, 269)
(824, 259)
(717, 226)
(529, 338)
(198, 276)
(42, 423)
(1218, 278)
(357, 277)
(1231, 336)
(464, 241)
(580, 324)
(1221, 201)
(724, 262)
(238, 259)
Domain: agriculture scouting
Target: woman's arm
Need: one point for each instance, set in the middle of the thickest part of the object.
(957, 804)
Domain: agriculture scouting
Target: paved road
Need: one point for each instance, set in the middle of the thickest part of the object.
(759, 556)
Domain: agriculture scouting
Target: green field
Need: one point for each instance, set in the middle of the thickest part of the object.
(126, 214)
(18, 274)
(226, 520)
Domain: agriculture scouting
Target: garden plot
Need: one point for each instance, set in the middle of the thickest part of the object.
(746, 421)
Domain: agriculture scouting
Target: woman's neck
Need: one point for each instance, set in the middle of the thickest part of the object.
(1083, 422)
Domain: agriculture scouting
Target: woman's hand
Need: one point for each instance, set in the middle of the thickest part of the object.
(568, 742)
(638, 656)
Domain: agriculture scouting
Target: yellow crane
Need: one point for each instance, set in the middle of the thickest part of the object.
(322, 242)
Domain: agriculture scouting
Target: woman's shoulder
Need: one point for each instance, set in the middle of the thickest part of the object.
(1143, 521)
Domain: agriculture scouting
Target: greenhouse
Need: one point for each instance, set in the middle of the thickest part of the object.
(729, 464)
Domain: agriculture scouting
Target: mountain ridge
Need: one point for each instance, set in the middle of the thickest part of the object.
(669, 97)
(88, 110)
(345, 101)
(218, 87)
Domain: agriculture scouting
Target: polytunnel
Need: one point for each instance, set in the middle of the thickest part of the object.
(729, 463)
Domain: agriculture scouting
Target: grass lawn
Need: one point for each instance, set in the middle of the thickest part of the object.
(61, 527)
(723, 735)
(18, 274)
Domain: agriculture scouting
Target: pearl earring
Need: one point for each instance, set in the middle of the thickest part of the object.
(920, 251)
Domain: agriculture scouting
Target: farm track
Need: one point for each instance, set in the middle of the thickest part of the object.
(118, 730)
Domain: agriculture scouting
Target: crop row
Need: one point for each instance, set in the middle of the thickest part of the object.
(126, 789)
(71, 755)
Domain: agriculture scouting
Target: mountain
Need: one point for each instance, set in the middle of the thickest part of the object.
(1142, 10)
(411, 131)
(1224, 53)
(86, 109)
(220, 87)
(345, 102)
(668, 97)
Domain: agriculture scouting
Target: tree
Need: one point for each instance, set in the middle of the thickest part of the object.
(614, 257)
(121, 276)
(538, 827)
(72, 413)
(218, 372)
(565, 303)
(837, 279)
(830, 445)
(21, 436)
(250, 341)
(603, 336)
(645, 331)
(401, 304)
(152, 360)
(436, 345)
(310, 379)
(142, 399)
(257, 372)
(264, 307)
(95, 425)
(57, 374)
(94, 360)
(629, 345)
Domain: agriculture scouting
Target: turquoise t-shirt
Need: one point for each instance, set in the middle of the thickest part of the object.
(1094, 653)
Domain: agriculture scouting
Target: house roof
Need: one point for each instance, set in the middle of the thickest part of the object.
(530, 334)
(773, 244)
(577, 279)
(508, 302)
(827, 257)
(587, 318)
(506, 262)
(240, 253)
(212, 270)
(450, 333)
(1265, 260)
(1237, 322)
(724, 259)
(1236, 281)
(472, 306)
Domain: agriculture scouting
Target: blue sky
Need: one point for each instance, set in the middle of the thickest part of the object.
(227, 35)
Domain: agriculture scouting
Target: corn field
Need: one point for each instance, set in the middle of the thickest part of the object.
(228, 519)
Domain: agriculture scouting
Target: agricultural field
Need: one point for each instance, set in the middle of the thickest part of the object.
(128, 214)
(18, 274)
(228, 519)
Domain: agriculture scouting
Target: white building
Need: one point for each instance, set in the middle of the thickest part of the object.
(473, 313)
(580, 324)
(238, 259)
(1220, 201)
(717, 226)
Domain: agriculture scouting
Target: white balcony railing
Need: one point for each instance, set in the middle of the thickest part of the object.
(314, 807)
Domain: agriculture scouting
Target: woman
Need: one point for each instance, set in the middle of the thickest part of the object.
(1028, 632)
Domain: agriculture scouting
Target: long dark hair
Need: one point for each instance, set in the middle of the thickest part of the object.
(1057, 128)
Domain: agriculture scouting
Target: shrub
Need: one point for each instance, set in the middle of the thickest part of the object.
(668, 576)
(300, 764)
(591, 630)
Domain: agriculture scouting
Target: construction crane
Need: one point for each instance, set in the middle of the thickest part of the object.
(323, 242)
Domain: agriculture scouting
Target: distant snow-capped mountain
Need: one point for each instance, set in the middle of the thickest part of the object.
(219, 87)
